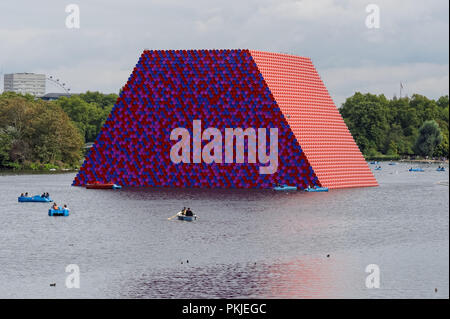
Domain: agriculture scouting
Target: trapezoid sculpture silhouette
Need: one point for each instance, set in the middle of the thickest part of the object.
(225, 119)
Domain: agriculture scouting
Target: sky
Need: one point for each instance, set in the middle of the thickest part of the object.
(410, 46)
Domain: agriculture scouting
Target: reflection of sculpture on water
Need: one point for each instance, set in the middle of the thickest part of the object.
(306, 278)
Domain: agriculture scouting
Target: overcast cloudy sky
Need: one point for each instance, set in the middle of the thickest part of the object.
(411, 45)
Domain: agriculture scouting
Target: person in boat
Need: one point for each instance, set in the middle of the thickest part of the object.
(183, 211)
(189, 212)
(26, 194)
(65, 207)
(43, 195)
(47, 195)
(21, 195)
(55, 206)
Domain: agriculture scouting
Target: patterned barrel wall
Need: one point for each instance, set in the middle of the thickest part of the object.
(171, 89)
(222, 89)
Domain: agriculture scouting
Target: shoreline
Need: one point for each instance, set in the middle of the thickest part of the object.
(424, 161)
(414, 161)
(64, 171)
(35, 172)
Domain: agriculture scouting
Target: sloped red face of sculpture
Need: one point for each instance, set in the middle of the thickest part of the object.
(315, 120)
(197, 118)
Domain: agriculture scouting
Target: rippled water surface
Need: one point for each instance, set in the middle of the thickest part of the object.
(245, 243)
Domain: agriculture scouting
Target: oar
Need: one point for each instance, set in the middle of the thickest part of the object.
(174, 216)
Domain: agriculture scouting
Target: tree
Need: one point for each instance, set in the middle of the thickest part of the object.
(35, 131)
(366, 117)
(442, 150)
(380, 126)
(55, 138)
(88, 111)
(104, 101)
(5, 145)
(443, 101)
(429, 137)
(426, 109)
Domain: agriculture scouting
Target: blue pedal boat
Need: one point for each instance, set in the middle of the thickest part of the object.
(285, 188)
(316, 189)
(58, 212)
(377, 168)
(35, 199)
(440, 169)
(416, 170)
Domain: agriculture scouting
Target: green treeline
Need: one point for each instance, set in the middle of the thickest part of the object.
(39, 135)
(34, 133)
(88, 111)
(415, 126)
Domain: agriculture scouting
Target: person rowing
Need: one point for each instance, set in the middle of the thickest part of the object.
(189, 212)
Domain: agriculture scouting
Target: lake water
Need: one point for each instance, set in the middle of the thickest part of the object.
(245, 243)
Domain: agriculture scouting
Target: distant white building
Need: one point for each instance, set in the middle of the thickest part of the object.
(24, 83)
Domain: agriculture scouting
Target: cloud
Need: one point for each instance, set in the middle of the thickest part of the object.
(427, 79)
(411, 44)
(107, 71)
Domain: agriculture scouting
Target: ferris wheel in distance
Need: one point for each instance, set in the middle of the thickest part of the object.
(58, 83)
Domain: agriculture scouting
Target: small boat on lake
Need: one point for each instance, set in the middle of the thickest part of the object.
(98, 185)
(285, 188)
(374, 162)
(440, 169)
(34, 199)
(316, 189)
(58, 212)
(185, 215)
(377, 168)
(392, 163)
(416, 169)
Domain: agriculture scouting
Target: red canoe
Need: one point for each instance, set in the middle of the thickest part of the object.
(98, 185)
